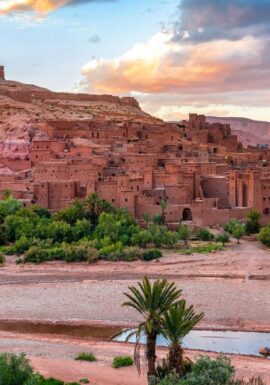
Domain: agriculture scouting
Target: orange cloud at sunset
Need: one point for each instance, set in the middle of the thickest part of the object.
(38, 6)
(162, 66)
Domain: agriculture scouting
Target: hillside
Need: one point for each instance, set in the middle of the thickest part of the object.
(250, 132)
(25, 110)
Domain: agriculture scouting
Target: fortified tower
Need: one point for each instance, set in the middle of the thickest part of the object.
(2, 73)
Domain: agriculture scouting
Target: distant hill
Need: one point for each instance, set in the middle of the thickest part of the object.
(250, 132)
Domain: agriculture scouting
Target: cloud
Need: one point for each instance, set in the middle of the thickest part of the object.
(40, 6)
(215, 57)
(163, 66)
(206, 20)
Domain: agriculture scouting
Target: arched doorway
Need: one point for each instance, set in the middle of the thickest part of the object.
(187, 214)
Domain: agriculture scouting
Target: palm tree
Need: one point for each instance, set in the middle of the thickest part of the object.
(178, 321)
(96, 206)
(151, 301)
(163, 205)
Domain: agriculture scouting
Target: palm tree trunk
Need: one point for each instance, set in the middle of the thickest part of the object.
(151, 354)
(175, 358)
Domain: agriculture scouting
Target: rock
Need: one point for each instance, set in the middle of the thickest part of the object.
(264, 351)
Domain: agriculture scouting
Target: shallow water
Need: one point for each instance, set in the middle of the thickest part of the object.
(245, 343)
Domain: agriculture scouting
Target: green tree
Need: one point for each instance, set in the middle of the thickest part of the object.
(71, 214)
(96, 206)
(151, 301)
(264, 236)
(9, 206)
(253, 225)
(238, 232)
(184, 233)
(14, 370)
(178, 322)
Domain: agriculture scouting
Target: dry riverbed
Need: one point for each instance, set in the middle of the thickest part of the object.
(232, 287)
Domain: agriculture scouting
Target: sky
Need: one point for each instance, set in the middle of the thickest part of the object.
(174, 56)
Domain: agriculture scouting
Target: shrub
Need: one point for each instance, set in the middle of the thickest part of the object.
(229, 226)
(207, 372)
(121, 361)
(9, 206)
(238, 232)
(86, 357)
(22, 245)
(142, 238)
(252, 224)
(222, 238)
(14, 370)
(264, 236)
(184, 233)
(2, 259)
(80, 252)
(151, 254)
(84, 381)
(36, 254)
(204, 234)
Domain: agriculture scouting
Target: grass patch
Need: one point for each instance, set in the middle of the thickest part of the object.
(202, 249)
(90, 357)
(122, 361)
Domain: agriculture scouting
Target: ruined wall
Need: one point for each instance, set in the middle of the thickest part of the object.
(2, 73)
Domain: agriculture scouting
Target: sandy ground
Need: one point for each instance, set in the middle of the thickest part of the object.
(232, 287)
(54, 356)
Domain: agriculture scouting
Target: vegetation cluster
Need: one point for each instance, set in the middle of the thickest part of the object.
(88, 230)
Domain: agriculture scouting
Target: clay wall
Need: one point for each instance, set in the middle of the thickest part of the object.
(216, 187)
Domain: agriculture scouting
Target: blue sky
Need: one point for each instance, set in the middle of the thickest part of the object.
(174, 56)
(51, 53)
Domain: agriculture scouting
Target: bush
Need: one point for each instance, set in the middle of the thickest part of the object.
(81, 252)
(22, 245)
(184, 233)
(84, 381)
(121, 361)
(204, 372)
(36, 254)
(2, 259)
(252, 224)
(222, 238)
(151, 254)
(9, 206)
(229, 226)
(14, 370)
(142, 238)
(204, 235)
(86, 357)
(208, 372)
(238, 232)
(264, 236)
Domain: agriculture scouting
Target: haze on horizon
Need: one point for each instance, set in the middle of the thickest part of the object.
(174, 56)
